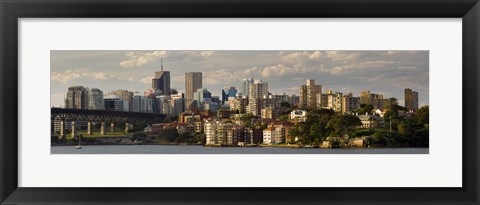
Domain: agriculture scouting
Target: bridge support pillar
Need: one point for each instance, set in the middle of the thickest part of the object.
(90, 128)
(127, 127)
(74, 130)
(102, 128)
(62, 129)
(112, 127)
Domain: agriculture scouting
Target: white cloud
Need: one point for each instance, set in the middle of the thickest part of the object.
(202, 53)
(69, 75)
(141, 58)
(65, 76)
(227, 77)
(148, 79)
(135, 59)
(97, 75)
(283, 70)
(298, 56)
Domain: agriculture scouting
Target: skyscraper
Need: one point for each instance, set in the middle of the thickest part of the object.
(139, 103)
(309, 94)
(77, 98)
(162, 81)
(201, 94)
(115, 103)
(258, 90)
(123, 95)
(95, 99)
(193, 81)
(245, 86)
(411, 99)
(228, 92)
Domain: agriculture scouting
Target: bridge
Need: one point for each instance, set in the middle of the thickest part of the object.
(102, 116)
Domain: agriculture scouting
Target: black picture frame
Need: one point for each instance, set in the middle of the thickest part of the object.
(11, 10)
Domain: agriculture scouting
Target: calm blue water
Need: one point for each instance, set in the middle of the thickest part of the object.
(177, 149)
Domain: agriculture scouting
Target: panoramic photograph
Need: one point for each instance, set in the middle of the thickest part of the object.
(239, 101)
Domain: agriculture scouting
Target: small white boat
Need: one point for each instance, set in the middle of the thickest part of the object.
(79, 143)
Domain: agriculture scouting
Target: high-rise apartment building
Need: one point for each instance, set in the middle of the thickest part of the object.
(77, 98)
(337, 103)
(411, 99)
(350, 103)
(95, 99)
(309, 94)
(258, 90)
(245, 86)
(334, 101)
(366, 97)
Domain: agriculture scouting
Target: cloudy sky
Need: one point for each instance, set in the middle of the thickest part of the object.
(383, 72)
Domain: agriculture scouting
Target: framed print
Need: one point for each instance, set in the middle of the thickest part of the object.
(239, 102)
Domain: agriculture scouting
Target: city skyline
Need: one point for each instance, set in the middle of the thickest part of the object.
(383, 72)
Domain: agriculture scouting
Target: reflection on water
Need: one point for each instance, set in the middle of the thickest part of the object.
(176, 149)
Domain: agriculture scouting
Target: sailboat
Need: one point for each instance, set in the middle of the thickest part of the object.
(79, 143)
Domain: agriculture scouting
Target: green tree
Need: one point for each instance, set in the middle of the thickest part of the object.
(405, 128)
(313, 130)
(392, 104)
(421, 116)
(169, 133)
(344, 123)
(247, 119)
(365, 108)
(283, 118)
(285, 104)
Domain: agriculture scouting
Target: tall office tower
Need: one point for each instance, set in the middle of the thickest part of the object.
(230, 92)
(411, 99)
(162, 81)
(95, 99)
(224, 97)
(193, 82)
(123, 95)
(177, 103)
(308, 94)
(245, 86)
(139, 103)
(350, 103)
(115, 103)
(77, 98)
(200, 95)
